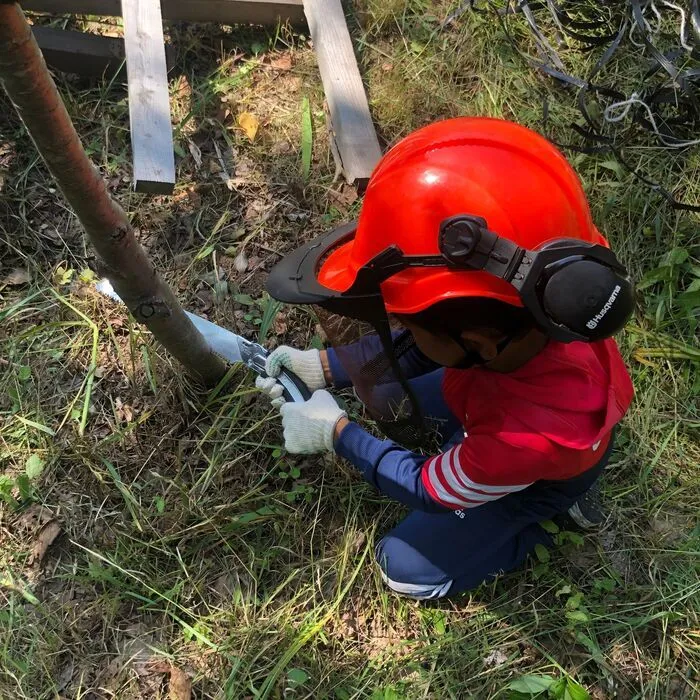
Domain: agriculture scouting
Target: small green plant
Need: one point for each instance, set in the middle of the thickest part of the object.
(159, 504)
(260, 312)
(673, 287)
(19, 491)
(560, 537)
(296, 678)
(300, 492)
(291, 472)
(546, 688)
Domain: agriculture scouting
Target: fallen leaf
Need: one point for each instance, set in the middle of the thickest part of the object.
(348, 626)
(17, 277)
(180, 687)
(65, 676)
(358, 541)
(346, 196)
(495, 658)
(241, 262)
(44, 540)
(196, 153)
(124, 411)
(280, 324)
(282, 62)
(158, 666)
(223, 172)
(249, 123)
(237, 233)
(295, 216)
(280, 148)
(33, 517)
(34, 466)
(259, 211)
(223, 111)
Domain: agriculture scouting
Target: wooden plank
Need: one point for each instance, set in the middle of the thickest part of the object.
(220, 11)
(90, 55)
(149, 100)
(87, 55)
(356, 141)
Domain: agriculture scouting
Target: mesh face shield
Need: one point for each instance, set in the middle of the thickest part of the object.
(378, 363)
(366, 352)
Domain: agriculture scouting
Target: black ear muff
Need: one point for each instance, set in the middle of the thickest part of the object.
(588, 297)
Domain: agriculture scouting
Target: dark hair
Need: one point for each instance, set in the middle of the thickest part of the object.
(453, 316)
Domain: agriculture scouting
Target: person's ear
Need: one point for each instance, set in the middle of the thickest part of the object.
(485, 344)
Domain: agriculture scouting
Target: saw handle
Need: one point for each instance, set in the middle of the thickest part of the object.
(293, 388)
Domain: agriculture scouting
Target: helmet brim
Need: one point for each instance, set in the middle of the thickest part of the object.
(296, 280)
(322, 272)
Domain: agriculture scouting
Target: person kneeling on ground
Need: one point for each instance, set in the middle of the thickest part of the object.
(476, 237)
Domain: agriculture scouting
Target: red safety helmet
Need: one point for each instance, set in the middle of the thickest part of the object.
(468, 207)
(500, 171)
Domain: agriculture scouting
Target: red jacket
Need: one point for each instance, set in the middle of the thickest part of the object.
(550, 419)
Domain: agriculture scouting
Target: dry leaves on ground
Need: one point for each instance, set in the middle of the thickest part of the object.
(495, 658)
(241, 262)
(180, 685)
(283, 62)
(44, 540)
(249, 123)
(16, 278)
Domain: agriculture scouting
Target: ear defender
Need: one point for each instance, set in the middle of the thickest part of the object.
(574, 291)
(589, 298)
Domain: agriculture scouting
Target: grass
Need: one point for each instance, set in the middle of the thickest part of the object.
(188, 537)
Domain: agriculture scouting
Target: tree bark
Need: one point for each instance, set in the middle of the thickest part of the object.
(31, 88)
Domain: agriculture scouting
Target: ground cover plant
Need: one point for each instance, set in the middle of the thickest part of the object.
(155, 539)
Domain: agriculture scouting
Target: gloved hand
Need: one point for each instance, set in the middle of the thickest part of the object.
(272, 389)
(306, 364)
(309, 427)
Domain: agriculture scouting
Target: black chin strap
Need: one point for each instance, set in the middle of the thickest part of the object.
(471, 357)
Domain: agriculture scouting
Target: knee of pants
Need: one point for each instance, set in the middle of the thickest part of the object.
(405, 575)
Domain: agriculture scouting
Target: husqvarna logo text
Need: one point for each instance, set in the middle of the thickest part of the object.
(593, 323)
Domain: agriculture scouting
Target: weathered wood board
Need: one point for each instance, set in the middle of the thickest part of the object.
(351, 123)
(149, 99)
(221, 11)
(89, 55)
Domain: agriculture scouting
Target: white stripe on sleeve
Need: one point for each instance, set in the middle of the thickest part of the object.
(466, 490)
(442, 493)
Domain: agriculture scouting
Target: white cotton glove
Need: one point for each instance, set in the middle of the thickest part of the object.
(272, 389)
(306, 364)
(309, 426)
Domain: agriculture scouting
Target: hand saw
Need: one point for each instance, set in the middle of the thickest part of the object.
(233, 348)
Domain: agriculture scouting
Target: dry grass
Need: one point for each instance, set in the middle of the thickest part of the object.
(187, 538)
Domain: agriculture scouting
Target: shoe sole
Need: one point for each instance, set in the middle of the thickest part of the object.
(581, 520)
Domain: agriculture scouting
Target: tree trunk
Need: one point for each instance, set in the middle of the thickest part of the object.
(29, 85)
